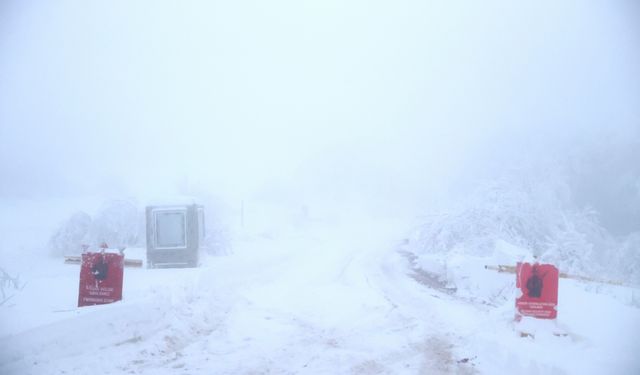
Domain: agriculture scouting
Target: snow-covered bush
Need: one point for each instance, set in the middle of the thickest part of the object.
(118, 223)
(217, 241)
(71, 235)
(535, 213)
(8, 283)
(217, 234)
(577, 243)
(628, 262)
(519, 212)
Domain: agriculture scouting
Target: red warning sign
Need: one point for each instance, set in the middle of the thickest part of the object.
(100, 278)
(539, 286)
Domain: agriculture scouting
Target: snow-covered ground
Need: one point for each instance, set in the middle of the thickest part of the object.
(360, 163)
(329, 297)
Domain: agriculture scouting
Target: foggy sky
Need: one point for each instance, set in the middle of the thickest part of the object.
(135, 97)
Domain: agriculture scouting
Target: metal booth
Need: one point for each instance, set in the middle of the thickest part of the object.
(174, 235)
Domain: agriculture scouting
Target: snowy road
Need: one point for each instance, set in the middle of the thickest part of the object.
(329, 306)
(333, 299)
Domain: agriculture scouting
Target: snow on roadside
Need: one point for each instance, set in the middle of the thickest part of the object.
(594, 332)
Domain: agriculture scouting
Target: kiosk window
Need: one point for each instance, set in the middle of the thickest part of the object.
(170, 229)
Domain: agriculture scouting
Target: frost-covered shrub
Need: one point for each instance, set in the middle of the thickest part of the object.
(577, 242)
(521, 214)
(118, 223)
(217, 241)
(7, 284)
(628, 261)
(217, 234)
(74, 232)
(537, 216)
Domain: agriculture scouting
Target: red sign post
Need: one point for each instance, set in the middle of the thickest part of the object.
(100, 278)
(539, 286)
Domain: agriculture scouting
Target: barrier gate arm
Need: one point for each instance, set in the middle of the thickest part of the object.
(512, 269)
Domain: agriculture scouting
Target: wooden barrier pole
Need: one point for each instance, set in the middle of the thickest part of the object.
(76, 259)
(512, 269)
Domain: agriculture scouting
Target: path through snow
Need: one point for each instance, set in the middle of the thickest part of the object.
(329, 299)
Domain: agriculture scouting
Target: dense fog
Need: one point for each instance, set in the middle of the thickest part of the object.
(399, 108)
